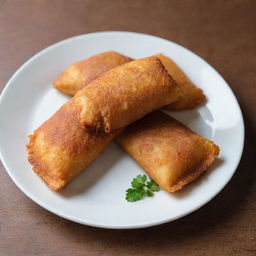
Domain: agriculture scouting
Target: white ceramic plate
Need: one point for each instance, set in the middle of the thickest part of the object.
(97, 196)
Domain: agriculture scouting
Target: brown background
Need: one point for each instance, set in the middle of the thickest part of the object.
(223, 33)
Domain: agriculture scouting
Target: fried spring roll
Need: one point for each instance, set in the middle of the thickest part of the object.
(168, 151)
(192, 96)
(125, 94)
(61, 147)
(78, 75)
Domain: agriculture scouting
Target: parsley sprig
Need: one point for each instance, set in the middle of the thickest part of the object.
(141, 187)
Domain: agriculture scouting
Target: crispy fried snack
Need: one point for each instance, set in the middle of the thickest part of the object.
(61, 147)
(125, 94)
(78, 75)
(167, 150)
(192, 96)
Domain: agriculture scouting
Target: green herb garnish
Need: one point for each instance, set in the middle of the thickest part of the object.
(141, 188)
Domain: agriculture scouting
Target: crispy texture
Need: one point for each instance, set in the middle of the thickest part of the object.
(125, 94)
(167, 150)
(78, 75)
(192, 96)
(61, 147)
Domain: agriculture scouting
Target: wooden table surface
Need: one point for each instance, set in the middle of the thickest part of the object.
(221, 32)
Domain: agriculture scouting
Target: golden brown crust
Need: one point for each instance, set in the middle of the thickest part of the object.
(61, 147)
(167, 150)
(81, 73)
(192, 96)
(195, 174)
(125, 94)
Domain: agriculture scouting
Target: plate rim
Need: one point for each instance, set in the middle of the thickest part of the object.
(107, 226)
